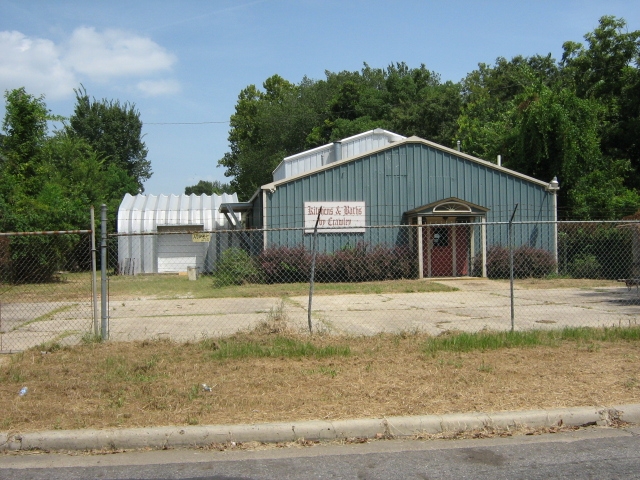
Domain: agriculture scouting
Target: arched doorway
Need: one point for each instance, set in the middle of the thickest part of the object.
(447, 241)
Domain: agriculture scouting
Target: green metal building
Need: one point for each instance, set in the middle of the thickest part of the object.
(447, 206)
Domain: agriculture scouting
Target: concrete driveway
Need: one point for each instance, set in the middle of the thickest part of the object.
(477, 304)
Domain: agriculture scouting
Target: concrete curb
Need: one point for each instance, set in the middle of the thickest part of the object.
(161, 437)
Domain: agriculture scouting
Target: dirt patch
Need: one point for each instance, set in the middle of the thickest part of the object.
(160, 382)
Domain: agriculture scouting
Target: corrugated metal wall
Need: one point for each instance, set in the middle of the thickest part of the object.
(405, 177)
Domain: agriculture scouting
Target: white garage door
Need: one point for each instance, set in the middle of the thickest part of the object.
(175, 264)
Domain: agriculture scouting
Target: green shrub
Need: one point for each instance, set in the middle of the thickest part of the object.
(585, 266)
(592, 250)
(235, 267)
(528, 262)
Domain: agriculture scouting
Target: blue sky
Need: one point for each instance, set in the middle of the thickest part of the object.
(186, 62)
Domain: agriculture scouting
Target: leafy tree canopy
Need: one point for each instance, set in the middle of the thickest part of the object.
(48, 181)
(208, 188)
(115, 131)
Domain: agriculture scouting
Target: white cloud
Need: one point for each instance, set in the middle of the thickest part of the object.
(114, 53)
(42, 66)
(153, 88)
(33, 63)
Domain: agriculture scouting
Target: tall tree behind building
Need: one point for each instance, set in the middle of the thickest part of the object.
(114, 130)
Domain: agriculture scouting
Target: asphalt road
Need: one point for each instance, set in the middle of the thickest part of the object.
(597, 453)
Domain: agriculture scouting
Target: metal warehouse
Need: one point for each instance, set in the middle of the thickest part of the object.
(152, 232)
(440, 202)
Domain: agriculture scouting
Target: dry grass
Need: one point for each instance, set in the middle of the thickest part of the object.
(542, 283)
(280, 378)
(77, 287)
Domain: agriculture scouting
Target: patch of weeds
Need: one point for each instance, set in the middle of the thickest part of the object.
(49, 347)
(194, 392)
(192, 421)
(91, 338)
(455, 363)
(118, 368)
(276, 323)
(284, 347)
(145, 367)
(631, 383)
(458, 363)
(485, 367)
(323, 370)
(118, 400)
(592, 347)
(5, 423)
(209, 344)
(487, 340)
(14, 374)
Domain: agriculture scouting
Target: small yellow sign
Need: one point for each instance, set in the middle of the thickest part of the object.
(201, 237)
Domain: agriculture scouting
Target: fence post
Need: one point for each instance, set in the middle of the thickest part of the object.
(313, 268)
(511, 245)
(94, 281)
(104, 314)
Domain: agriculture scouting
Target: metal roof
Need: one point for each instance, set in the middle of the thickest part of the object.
(273, 185)
(144, 213)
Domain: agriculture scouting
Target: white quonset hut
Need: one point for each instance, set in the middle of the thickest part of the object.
(152, 232)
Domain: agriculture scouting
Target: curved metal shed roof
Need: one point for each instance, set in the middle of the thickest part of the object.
(144, 213)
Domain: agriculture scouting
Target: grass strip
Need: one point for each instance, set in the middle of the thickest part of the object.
(279, 346)
(45, 317)
(466, 342)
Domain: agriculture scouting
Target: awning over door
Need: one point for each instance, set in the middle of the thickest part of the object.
(448, 207)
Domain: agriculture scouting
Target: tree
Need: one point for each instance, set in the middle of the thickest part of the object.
(488, 96)
(606, 69)
(25, 127)
(266, 127)
(113, 130)
(47, 181)
(285, 119)
(208, 188)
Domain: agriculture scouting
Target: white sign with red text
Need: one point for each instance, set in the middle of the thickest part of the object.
(336, 217)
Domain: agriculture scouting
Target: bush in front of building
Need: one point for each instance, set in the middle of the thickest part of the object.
(360, 263)
(365, 263)
(285, 264)
(236, 267)
(528, 262)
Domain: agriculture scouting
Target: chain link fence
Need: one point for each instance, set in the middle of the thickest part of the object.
(45, 288)
(432, 278)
